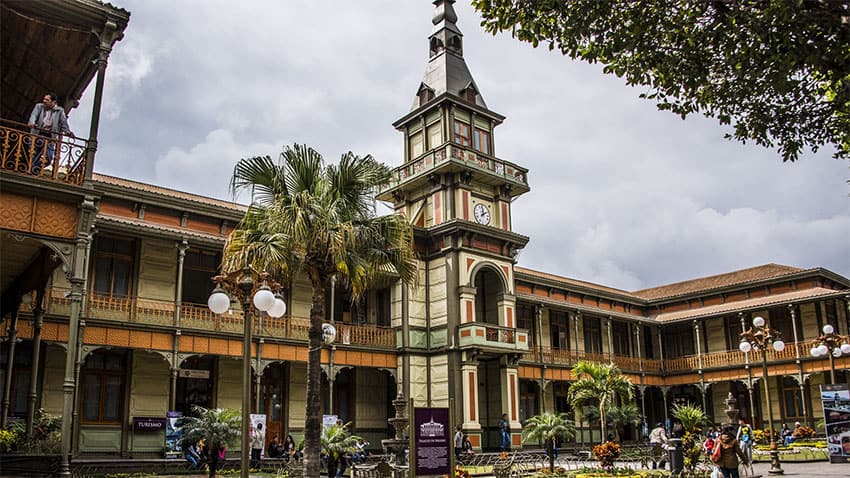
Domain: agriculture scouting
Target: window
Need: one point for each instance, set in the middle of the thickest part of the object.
(648, 349)
(199, 267)
(621, 339)
(732, 329)
(113, 266)
(435, 135)
(525, 320)
(678, 340)
(562, 398)
(780, 319)
(462, 133)
(21, 374)
(481, 140)
(527, 399)
(417, 145)
(103, 387)
(560, 328)
(792, 399)
(592, 335)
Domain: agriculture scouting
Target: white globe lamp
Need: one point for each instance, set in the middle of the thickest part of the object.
(823, 349)
(264, 299)
(328, 333)
(218, 302)
(278, 309)
(779, 346)
(758, 322)
(845, 349)
(745, 347)
(814, 352)
(827, 329)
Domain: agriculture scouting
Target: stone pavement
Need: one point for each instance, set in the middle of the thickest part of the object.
(813, 470)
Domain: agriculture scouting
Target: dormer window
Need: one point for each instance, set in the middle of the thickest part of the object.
(425, 95)
(469, 94)
(436, 46)
(455, 44)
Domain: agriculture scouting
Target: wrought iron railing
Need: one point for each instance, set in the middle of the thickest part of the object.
(51, 156)
(199, 317)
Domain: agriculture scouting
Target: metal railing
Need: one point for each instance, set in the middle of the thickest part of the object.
(199, 317)
(52, 156)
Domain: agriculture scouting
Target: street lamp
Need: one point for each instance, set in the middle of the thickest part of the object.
(831, 344)
(248, 287)
(760, 337)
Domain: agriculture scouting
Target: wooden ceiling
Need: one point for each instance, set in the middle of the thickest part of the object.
(50, 46)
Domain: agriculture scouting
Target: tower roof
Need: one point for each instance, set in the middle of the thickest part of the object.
(446, 71)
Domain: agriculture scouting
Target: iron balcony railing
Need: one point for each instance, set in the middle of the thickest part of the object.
(140, 310)
(495, 337)
(54, 157)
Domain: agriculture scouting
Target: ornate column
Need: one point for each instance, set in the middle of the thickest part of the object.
(7, 385)
(469, 381)
(799, 363)
(258, 376)
(510, 393)
(107, 37)
(175, 370)
(610, 339)
(38, 321)
(178, 290)
(702, 386)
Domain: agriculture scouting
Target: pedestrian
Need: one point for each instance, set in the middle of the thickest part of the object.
(505, 431)
(458, 442)
(658, 443)
(728, 455)
(47, 121)
(745, 439)
(258, 441)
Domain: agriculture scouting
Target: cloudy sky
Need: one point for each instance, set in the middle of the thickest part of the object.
(622, 194)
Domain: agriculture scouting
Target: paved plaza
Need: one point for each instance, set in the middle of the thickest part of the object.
(816, 469)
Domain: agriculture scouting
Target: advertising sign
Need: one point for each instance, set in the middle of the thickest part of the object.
(432, 439)
(329, 420)
(173, 434)
(836, 417)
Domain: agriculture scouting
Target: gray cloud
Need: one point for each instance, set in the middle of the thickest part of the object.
(622, 194)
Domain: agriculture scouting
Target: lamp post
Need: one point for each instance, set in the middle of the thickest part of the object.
(248, 287)
(831, 344)
(760, 337)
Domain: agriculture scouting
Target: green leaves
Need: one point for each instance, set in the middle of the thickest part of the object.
(777, 72)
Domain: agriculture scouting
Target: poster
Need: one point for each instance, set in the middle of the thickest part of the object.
(836, 417)
(258, 425)
(329, 421)
(173, 434)
(432, 438)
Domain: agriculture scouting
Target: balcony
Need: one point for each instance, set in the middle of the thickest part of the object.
(568, 358)
(715, 360)
(62, 159)
(451, 158)
(493, 338)
(137, 310)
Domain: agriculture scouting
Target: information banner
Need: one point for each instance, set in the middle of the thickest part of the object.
(259, 419)
(836, 415)
(432, 439)
(173, 434)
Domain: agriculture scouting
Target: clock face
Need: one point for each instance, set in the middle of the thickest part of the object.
(482, 214)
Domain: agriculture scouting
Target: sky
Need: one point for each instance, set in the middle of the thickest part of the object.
(622, 194)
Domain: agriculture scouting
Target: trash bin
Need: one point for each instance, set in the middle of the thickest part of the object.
(677, 456)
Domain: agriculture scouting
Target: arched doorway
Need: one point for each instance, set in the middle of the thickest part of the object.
(273, 399)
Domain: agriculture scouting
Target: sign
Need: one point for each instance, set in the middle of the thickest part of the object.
(432, 441)
(329, 421)
(173, 435)
(191, 373)
(148, 424)
(836, 417)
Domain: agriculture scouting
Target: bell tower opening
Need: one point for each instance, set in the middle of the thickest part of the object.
(489, 289)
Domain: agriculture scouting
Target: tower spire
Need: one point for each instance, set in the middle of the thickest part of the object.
(446, 71)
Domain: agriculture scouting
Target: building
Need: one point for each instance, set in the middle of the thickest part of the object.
(104, 284)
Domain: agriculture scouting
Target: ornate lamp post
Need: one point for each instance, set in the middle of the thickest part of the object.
(760, 337)
(831, 344)
(247, 286)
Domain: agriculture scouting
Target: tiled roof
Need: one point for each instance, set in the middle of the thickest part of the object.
(785, 298)
(575, 282)
(177, 231)
(172, 193)
(767, 271)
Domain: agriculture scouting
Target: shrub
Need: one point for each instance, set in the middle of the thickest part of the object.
(803, 433)
(7, 441)
(606, 454)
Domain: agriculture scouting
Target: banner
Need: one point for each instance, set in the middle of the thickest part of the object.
(836, 417)
(173, 434)
(432, 440)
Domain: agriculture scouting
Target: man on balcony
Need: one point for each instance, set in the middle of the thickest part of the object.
(47, 121)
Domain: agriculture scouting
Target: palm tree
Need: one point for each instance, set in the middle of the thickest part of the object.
(548, 428)
(337, 441)
(600, 385)
(617, 415)
(691, 417)
(315, 219)
(218, 427)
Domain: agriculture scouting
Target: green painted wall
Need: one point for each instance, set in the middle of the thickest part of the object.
(149, 388)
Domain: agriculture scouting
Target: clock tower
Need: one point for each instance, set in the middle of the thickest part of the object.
(460, 342)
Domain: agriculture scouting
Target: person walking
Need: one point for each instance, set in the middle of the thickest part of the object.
(728, 455)
(258, 441)
(505, 431)
(458, 442)
(658, 443)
